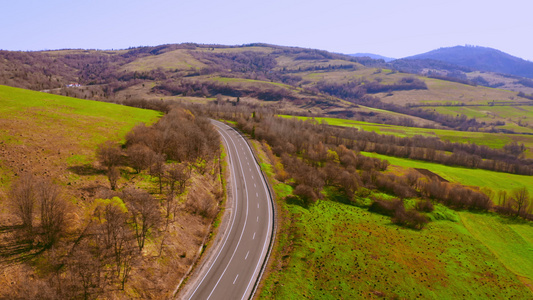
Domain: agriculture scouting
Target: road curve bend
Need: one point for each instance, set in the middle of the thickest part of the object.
(235, 264)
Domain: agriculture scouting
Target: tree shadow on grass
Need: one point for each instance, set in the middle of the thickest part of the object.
(85, 170)
(514, 220)
(293, 200)
(16, 246)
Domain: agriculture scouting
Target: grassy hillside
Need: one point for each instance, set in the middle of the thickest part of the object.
(335, 251)
(50, 133)
(332, 250)
(56, 137)
(497, 181)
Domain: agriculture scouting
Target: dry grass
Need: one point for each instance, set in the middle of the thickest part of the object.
(440, 91)
(179, 59)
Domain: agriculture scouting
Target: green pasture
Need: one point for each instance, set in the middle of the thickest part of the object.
(337, 251)
(497, 181)
(50, 113)
(510, 240)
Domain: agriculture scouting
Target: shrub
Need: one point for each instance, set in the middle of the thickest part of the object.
(387, 208)
(306, 194)
(411, 219)
(425, 206)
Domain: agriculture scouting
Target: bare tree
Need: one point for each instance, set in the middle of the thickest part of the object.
(53, 209)
(115, 235)
(113, 174)
(22, 195)
(177, 176)
(158, 168)
(520, 200)
(144, 211)
(139, 157)
(109, 154)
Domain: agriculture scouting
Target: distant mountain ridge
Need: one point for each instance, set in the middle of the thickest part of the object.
(373, 56)
(479, 58)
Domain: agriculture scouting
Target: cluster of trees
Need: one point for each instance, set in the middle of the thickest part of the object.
(524, 95)
(509, 159)
(517, 203)
(395, 208)
(186, 87)
(96, 252)
(311, 156)
(41, 207)
(357, 89)
(240, 62)
(180, 136)
(101, 256)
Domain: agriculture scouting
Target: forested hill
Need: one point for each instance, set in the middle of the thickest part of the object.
(480, 58)
(289, 80)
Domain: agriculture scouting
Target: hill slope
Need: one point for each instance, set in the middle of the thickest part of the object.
(289, 79)
(373, 56)
(55, 137)
(480, 58)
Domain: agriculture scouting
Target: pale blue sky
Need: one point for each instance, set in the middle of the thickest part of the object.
(394, 28)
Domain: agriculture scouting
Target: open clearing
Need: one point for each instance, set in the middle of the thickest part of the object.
(497, 181)
(339, 251)
(49, 133)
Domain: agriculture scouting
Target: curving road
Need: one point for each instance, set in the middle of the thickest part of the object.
(236, 264)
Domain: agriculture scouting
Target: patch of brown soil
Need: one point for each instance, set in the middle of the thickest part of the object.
(431, 175)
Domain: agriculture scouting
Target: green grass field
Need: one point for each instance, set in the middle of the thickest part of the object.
(510, 240)
(49, 133)
(345, 252)
(53, 112)
(337, 251)
(497, 181)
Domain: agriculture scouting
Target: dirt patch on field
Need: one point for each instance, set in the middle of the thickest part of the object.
(431, 175)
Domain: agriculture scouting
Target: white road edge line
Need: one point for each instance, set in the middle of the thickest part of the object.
(232, 222)
(269, 206)
(242, 232)
(265, 245)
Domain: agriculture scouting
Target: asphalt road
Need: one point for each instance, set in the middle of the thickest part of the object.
(235, 265)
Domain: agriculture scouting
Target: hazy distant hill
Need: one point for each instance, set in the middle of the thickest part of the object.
(480, 58)
(373, 56)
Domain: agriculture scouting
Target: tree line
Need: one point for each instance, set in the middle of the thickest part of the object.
(311, 156)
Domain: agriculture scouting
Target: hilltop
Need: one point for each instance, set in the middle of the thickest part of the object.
(480, 58)
(373, 56)
(293, 80)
